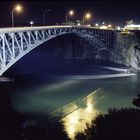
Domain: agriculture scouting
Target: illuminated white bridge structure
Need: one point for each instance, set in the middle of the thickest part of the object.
(17, 42)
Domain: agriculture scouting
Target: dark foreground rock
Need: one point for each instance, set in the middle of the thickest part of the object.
(122, 124)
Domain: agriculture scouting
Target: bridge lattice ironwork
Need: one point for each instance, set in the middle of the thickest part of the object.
(17, 42)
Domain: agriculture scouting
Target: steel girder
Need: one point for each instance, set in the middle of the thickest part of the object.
(17, 42)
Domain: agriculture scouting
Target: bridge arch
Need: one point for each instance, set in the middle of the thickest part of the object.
(17, 42)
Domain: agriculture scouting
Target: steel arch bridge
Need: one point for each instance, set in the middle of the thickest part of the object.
(17, 42)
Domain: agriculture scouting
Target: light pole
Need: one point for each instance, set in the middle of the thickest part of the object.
(87, 16)
(44, 12)
(18, 8)
(71, 12)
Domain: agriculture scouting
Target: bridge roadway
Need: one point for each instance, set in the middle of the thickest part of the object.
(22, 29)
(18, 41)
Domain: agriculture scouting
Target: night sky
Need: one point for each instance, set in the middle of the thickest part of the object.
(114, 12)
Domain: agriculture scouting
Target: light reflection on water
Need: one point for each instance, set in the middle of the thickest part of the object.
(78, 120)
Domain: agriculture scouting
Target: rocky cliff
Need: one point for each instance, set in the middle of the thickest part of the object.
(126, 50)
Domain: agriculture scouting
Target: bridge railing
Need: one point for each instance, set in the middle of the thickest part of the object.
(21, 29)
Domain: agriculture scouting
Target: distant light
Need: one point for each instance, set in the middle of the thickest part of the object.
(103, 27)
(118, 28)
(71, 12)
(109, 25)
(103, 23)
(31, 23)
(88, 15)
(96, 24)
(78, 24)
(88, 25)
(18, 8)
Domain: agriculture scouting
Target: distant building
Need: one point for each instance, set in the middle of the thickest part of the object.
(132, 27)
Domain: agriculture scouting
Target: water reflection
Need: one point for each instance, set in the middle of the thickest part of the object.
(78, 120)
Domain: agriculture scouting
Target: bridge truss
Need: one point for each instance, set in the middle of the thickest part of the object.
(17, 42)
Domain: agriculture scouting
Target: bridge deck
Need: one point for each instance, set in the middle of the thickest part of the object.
(21, 29)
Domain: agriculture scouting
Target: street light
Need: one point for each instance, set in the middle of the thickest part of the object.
(45, 12)
(71, 13)
(17, 8)
(31, 23)
(87, 16)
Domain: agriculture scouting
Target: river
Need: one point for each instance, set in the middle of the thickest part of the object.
(64, 88)
(40, 95)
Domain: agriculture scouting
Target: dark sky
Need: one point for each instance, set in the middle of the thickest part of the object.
(114, 12)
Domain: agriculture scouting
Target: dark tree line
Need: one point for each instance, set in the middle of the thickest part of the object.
(118, 124)
(10, 120)
(12, 123)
